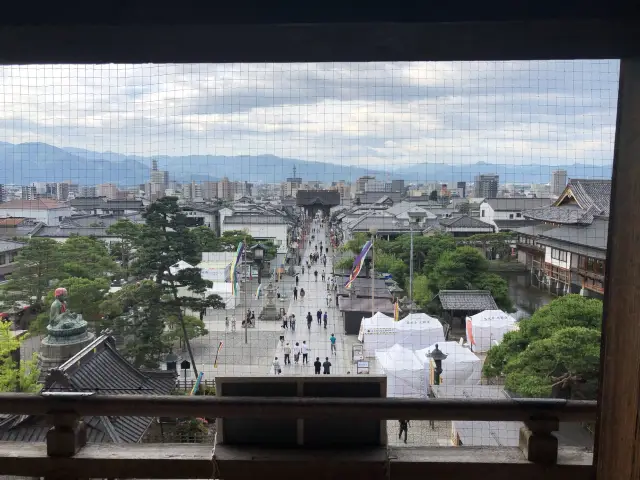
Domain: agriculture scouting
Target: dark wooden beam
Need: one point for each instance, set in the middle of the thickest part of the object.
(109, 461)
(201, 461)
(504, 463)
(491, 40)
(618, 424)
(292, 407)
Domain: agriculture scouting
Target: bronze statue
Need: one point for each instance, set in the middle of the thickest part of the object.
(60, 318)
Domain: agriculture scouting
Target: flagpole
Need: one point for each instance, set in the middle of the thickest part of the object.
(373, 271)
(246, 321)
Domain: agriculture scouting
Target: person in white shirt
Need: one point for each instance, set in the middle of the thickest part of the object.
(276, 367)
(305, 352)
(296, 352)
(287, 354)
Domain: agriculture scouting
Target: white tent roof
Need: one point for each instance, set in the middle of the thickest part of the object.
(495, 318)
(378, 320)
(398, 358)
(456, 353)
(181, 265)
(419, 321)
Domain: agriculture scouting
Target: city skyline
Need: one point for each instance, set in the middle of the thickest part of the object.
(366, 115)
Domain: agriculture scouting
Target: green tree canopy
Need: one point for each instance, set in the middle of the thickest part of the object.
(558, 346)
(345, 263)
(85, 297)
(86, 257)
(13, 378)
(38, 264)
(128, 233)
(356, 243)
(135, 314)
(166, 239)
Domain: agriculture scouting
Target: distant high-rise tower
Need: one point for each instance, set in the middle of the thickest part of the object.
(462, 189)
(558, 181)
(486, 186)
(154, 165)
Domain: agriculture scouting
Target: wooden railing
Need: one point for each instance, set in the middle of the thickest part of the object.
(67, 455)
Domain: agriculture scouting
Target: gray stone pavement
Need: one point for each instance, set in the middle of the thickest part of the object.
(317, 337)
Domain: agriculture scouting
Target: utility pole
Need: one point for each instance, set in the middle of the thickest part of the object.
(373, 272)
(411, 271)
(246, 286)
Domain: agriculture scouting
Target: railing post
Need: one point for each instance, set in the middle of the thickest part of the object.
(537, 442)
(66, 437)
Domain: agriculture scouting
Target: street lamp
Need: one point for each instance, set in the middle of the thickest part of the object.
(437, 356)
(171, 361)
(258, 257)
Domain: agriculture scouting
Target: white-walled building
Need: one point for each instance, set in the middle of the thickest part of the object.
(49, 212)
(506, 213)
(261, 227)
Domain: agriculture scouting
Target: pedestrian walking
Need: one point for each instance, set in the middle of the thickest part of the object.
(301, 294)
(226, 323)
(325, 318)
(292, 322)
(319, 316)
(203, 311)
(326, 366)
(298, 279)
(287, 354)
(404, 427)
(328, 300)
(284, 321)
(276, 367)
(305, 352)
(327, 249)
(317, 365)
(233, 324)
(295, 293)
(302, 272)
(296, 353)
(309, 320)
(323, 274)
(333, 339)
(315, 273)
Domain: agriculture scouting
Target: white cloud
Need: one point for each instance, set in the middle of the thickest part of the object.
(355, 113)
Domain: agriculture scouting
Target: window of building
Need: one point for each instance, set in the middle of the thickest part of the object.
(557, 254)
(511, 216)
(518, 215)
(483, 213)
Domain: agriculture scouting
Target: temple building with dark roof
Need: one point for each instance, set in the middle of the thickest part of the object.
(101, 369)
(566, 252)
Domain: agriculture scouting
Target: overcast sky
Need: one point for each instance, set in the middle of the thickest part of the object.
(355, 113)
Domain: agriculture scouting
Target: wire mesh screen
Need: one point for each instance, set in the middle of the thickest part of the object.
(440, 224)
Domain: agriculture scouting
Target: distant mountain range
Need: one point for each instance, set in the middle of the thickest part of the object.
(39, 162)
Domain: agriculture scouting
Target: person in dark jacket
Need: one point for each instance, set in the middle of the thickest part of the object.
(326, 366)
(317, 365)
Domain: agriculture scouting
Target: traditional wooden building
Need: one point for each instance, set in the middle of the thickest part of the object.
(566, 253)
(101, 369)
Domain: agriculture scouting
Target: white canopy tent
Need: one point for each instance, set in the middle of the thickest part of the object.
(418, 330)
(181, 265)
(404, 372)
(377, 333)
(461, 367)
(488, 327)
